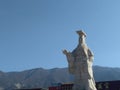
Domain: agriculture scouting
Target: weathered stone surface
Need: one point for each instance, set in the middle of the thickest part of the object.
(80, 62)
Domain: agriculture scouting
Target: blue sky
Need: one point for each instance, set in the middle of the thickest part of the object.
(33, 33)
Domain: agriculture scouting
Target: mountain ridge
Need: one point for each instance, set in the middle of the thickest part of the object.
(40, 77)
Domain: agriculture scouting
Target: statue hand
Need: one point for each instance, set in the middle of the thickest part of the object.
(65, 52)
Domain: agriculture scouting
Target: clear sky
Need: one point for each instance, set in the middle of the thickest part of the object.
(33, 33)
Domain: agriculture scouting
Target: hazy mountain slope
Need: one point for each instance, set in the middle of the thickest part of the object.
(106, 74)
(40, 77)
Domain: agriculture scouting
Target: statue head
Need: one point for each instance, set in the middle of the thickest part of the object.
(82, 36)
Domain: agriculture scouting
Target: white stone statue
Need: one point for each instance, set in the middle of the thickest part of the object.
(80, 62)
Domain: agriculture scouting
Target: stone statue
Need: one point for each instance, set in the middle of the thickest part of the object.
(80, 62)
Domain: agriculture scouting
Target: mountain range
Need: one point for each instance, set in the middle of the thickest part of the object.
(39, 77)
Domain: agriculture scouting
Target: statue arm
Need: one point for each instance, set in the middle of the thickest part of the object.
(90, 54)
(70, 60)
(69, 56)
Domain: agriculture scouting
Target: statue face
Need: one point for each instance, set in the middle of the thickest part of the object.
(81, 39)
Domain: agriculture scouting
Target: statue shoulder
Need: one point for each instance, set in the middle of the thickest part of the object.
(90, 53)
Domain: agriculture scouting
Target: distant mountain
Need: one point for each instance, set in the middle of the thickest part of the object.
(106, 73)
(39, 77)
